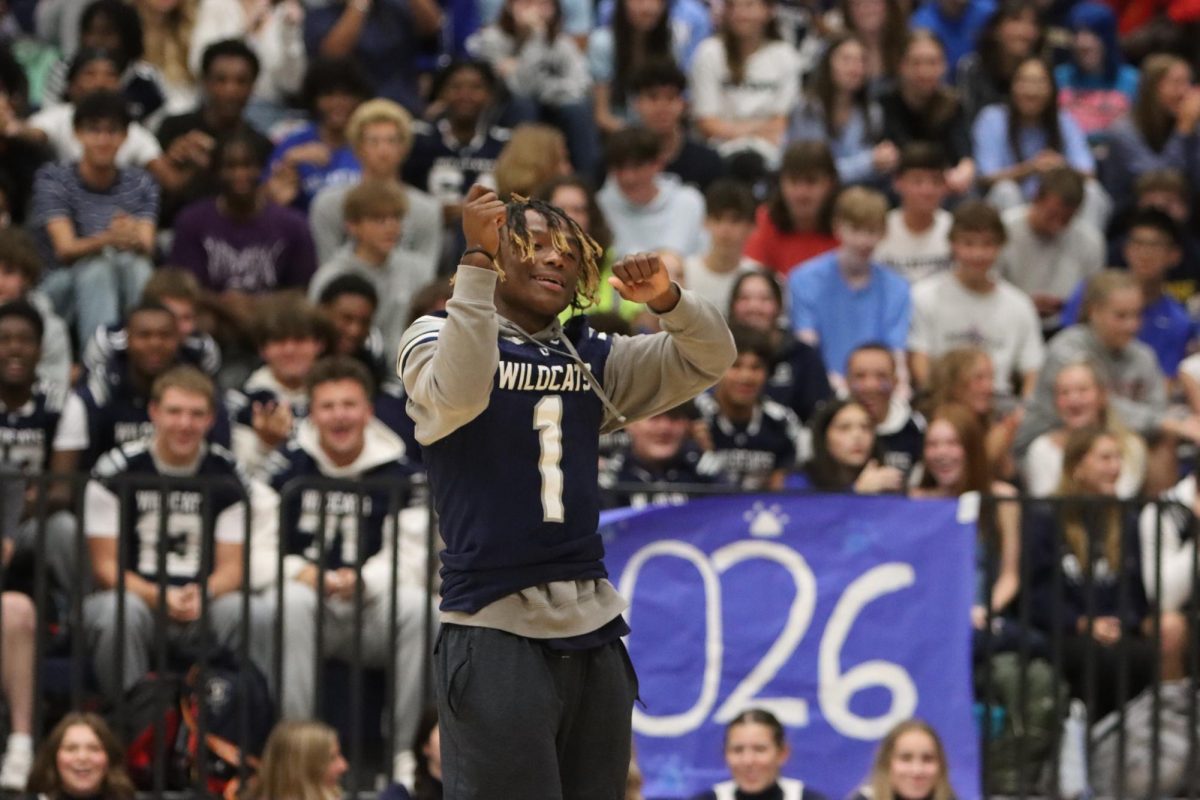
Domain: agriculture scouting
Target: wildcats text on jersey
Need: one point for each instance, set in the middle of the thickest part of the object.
(521, 376)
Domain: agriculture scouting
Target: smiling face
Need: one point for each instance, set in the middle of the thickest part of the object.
(657, 439)
(20, 349)
(334, 109)
(181, 418)
(537, 289)
(340, 411)
(291, 359)
(227, 87)
(871, 377)
(351, 317)
(977, 386)
(81, 761)
(850, 436)
(914, 768)
(742, 384)
(466, 95)
(153, 337)
(755, 759)
(1098, 471)
(755, 305)
(945, 456)
(975, 252)
(921, 190)
(1079, 398)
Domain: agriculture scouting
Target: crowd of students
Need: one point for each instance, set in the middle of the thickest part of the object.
(955, 243)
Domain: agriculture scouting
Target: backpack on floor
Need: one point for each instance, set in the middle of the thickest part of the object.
(167, 709)
(1029, 737)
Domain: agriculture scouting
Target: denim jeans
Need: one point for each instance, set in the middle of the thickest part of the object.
(95, 291)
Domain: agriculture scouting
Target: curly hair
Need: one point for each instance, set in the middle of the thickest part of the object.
(563, 231)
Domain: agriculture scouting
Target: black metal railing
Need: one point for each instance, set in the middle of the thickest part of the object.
(1023, 652)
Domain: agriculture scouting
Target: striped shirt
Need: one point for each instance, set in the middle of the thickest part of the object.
(59, 192)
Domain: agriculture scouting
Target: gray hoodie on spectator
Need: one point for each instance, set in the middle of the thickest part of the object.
(551, 72)
(1136, 386)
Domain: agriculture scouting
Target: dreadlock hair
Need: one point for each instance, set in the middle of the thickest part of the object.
(563, 230)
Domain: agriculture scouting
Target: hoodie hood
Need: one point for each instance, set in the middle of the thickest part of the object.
(381, 446)
(1099, 20)
(261, 380)
(553, 338)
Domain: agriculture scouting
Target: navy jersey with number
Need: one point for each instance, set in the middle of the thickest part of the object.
(749, 452)
(117, 414)
(353, 519)
(196, 517)
(516, 487)
(27, 433)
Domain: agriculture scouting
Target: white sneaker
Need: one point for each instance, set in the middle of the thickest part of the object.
(14, 770)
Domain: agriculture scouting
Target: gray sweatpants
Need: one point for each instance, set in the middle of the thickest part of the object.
(61, 550)
(298, 694)
(519, 719)
(100, 624)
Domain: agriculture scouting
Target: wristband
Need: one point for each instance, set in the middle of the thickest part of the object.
(361, 6)
(470, 250)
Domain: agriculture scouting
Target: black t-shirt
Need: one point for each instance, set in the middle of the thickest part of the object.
(204, 183)
(697, 164)
(902, 125)
(19, 160)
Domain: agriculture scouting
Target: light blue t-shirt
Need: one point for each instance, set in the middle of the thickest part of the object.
(844, 318)
(993, 152)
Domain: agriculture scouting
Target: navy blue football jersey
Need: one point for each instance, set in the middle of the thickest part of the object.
(196, 517)
(27, 433)
(109, 349)
(441, 165)
(749, 452)
(356, 522)
(118, 414)
(798, 378)
(389, 409)
(528, 465)
(903, 444)
(623, 472)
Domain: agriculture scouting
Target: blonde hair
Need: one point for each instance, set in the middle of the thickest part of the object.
(168, 49)
(880, 778)
(861, 208)
(529, 160)
(948, 375)
(294, 762)
(1101, 286)
(186, 378)
(377, 111)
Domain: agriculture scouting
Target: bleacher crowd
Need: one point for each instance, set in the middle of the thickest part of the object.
(956, 243)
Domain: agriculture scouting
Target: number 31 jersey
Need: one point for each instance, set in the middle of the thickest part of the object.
(516, 487)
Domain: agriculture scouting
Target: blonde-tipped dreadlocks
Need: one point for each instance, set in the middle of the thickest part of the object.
(563, 230)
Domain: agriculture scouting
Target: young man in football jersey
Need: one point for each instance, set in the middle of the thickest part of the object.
(291, 337)
(205, 529)
(29, 414)
(753, 439)
(659, 455)
(342, 440)
(535, 689)
(110, 408)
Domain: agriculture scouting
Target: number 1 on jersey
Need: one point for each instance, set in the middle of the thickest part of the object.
(547, 421)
